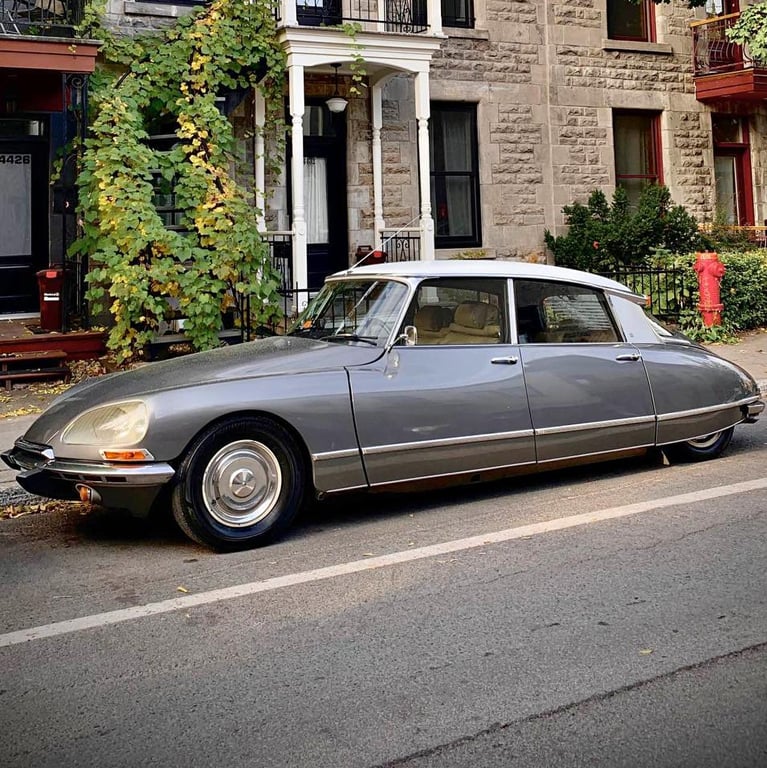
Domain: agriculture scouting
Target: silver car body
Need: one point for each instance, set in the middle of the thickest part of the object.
(376, 415)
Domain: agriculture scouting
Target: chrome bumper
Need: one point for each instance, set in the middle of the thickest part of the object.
(125, 486)
(753, 411)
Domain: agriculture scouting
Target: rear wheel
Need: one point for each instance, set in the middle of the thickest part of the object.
(240, 484)
(701, 448)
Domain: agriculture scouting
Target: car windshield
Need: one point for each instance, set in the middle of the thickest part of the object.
(353, 310)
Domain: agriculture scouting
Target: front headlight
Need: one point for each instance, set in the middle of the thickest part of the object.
(113, 425)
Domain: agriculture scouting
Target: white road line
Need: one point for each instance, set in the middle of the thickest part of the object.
(370, 563)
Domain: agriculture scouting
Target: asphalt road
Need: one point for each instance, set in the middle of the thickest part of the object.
(611, 616)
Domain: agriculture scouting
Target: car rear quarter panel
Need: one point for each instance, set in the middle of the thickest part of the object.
(695, 391)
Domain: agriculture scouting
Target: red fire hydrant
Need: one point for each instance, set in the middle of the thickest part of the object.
(710, 271)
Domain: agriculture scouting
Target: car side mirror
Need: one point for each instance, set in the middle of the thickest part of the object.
(409, 336)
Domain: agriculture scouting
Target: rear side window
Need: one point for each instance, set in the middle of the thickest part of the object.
(562, 313)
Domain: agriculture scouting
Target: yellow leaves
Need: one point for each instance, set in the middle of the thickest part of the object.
(27, 411)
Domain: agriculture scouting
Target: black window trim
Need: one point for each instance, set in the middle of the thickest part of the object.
(475, 239)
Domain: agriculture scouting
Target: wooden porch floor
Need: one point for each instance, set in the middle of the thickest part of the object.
(25, 335)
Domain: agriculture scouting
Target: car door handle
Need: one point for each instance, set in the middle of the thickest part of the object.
(504, 360)
(631, 357)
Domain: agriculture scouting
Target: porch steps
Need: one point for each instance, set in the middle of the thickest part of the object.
(26, 366)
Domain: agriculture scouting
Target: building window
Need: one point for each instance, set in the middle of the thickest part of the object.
(455, 175)
(458, 13)
(636, 138)
(732, 171)
(627, 20)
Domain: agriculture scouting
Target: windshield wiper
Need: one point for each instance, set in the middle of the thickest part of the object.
(349, 337)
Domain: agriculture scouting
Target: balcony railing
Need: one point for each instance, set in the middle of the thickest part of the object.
(405, 16)
(713, 53)
(49, 18)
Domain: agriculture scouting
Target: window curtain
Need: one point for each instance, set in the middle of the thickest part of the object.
(316, 199)
(456, 147)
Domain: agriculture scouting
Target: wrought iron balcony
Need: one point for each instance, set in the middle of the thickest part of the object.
(403, 16)
(48, 18)
(724, 70)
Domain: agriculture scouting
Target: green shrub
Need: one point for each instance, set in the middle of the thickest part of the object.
(743, 289)
(602, 236)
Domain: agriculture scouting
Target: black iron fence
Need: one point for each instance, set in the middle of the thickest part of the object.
(402, 244)
(52, 18)
(281, 255)
(668, 293)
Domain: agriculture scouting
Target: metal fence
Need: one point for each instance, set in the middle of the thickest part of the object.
(407, 16)
(402, 244)
(666, 289)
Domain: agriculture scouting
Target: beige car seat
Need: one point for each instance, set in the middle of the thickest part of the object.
(431, 322)
(474, 322)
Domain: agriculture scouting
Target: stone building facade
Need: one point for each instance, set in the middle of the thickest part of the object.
(469, 139)
(547, 80)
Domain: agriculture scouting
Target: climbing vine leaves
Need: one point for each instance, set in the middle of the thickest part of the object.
(140, 269)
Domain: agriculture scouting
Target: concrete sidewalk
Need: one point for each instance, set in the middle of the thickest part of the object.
(749, 353)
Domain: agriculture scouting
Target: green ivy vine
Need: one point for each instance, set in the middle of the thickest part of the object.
(139, 268)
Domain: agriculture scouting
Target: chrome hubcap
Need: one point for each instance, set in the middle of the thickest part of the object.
(704, 442)
(242, 483)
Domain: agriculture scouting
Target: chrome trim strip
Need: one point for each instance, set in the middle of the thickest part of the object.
(707, 409)
(597, 453)
(347, 453)
(586, 425)
(453, 474)
(447, 442)
(139, 474)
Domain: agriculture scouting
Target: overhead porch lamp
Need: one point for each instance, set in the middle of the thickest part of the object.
(336, 103)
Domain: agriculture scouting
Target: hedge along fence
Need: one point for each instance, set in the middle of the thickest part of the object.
(743, 292)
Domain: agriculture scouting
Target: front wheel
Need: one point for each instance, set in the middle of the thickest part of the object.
(701, 448)
(239, 485)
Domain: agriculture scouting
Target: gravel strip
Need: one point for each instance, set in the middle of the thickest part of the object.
(15, 496)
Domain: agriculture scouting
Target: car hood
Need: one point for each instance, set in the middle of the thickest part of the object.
(276, 356)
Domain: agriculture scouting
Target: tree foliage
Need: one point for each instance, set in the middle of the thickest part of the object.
(140, 269)
(751, 29)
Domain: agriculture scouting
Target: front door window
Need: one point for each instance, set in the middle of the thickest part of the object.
(23, 222)
(15, 203)
(316, 200)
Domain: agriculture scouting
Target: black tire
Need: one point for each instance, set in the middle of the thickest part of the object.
(239, 485)
(702, 448)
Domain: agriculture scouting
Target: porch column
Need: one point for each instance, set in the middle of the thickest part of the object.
(422, 113)
(376, 98)
(289, 12)
(297, 107)
(434, 11)
(259, 175)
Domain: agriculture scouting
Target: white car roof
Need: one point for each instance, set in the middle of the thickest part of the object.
(485, 268)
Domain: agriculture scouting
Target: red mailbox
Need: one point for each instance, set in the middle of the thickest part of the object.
(51, 285)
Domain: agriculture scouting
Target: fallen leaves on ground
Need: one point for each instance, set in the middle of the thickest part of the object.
(44, 505)
(26, 411)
